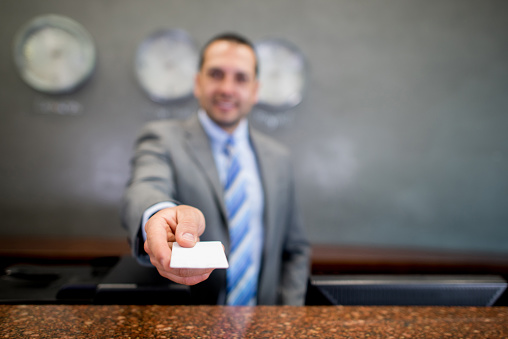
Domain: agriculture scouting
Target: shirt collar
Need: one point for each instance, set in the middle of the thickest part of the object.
(218, 135)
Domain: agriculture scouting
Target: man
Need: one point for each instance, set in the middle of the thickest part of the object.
(179, 164)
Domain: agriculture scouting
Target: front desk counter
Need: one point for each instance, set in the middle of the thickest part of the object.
(128, 321)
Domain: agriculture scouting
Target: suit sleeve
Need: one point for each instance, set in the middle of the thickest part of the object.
(151, 182)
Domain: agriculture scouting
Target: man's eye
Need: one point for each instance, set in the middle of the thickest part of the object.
(215, 74)
(241, 78)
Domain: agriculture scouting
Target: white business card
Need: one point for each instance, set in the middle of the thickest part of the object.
(205, 254)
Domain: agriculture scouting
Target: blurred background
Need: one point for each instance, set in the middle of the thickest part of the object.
(400, 139)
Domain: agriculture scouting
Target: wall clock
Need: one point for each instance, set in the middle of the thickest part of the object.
(165, 65)
(282, 71)
(54, 54)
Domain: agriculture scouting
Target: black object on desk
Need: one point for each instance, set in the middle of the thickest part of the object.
(411, 290)
(102, 281)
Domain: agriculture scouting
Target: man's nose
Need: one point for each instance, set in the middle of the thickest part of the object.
(227, 85)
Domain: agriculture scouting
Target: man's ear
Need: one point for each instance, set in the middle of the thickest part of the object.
(197, 89)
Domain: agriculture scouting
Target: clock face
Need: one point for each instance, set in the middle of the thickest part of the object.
(282, 71)
(54, 54)
(166, 63)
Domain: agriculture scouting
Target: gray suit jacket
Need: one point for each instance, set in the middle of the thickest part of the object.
(173, 162)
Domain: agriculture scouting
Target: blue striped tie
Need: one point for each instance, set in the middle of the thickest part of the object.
(241, 276)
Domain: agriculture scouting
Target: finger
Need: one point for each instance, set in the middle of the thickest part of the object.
(156, 245)
(190, 225)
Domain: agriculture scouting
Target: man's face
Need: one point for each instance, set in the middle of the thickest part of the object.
(226, 85)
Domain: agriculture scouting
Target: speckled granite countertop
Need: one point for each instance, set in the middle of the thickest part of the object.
(112, 321)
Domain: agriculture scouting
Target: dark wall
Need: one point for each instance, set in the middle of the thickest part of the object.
(401, 139)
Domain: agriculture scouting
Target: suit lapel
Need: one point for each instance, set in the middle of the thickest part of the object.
(266, 163)
(199, 148)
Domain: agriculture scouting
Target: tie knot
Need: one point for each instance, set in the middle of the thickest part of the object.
(229, 146)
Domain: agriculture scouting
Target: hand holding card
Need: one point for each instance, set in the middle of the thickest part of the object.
(180, 223)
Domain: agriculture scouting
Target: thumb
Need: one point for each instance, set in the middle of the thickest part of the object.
(190, 224)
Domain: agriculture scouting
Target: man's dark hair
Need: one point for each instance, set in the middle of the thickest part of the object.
(232, 37)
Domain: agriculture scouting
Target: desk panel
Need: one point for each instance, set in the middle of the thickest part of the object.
(121, 321)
